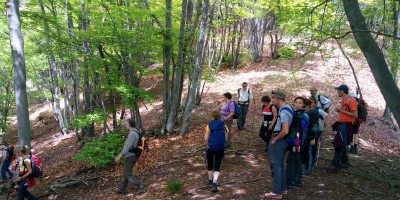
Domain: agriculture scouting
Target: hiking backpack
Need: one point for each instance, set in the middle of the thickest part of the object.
(326, 109)
(313, 127)
(216, 141)
(297, 129)
(238, 111)
(142, 147)
(361, 110)
(36, 165)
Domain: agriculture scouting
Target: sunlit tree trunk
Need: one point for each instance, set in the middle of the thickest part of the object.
(17, 54)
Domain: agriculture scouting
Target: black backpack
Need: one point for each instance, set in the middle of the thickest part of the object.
(313, 127)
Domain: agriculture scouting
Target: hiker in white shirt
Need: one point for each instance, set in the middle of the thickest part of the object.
(245, 95)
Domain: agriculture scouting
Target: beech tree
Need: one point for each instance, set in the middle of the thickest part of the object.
(17, 54)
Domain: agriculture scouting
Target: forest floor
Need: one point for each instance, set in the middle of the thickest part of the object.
(244, 173)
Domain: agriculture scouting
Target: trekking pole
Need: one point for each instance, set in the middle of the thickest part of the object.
(318, 148)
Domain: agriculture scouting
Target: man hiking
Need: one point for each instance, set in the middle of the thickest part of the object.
(323, 101)
(244, 96)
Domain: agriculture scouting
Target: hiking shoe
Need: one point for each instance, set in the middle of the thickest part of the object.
(214, 187)
(140, 191)
(284, 192)
(272, 195)
(343, 166)
(331, 169)
(306, 172)
(209, 182)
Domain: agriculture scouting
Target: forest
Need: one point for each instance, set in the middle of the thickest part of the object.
(71, 71)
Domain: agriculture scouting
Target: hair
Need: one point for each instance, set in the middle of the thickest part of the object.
(228, 95)
(307, 102)
(215, 115)
(313, 88)
(244, 83)
(25, 150)
(301, 98)
(314, 100)
(131, 122)
(266, 99)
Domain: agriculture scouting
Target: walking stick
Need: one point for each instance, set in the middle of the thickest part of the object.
(318, 148)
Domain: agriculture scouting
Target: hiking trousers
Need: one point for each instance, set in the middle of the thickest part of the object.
(293, 169)
(23, 191)
(242, 118)
(128, 175)
(276, 157)
(5, 168)
(341, 155)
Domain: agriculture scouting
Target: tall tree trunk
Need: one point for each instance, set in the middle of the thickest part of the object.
(178, 74)
(54, 75)
(167, 48)
(196, 71)
(374, 56)
(17, 54)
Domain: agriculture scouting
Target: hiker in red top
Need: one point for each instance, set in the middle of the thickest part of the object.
(269, 113)
(347, 113)
(25, 181)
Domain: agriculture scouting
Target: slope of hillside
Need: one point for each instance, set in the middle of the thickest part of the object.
(245, 173)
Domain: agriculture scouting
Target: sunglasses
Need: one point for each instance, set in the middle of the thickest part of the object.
(244, 85)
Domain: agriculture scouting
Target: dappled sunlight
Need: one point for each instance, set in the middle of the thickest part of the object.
(251, 159)
(51, 141)
(239, 191)
(202, 196)
(193, 176)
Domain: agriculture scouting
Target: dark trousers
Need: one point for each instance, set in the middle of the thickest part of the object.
(341, 155)
(214, 160)
(5, 169)
(293, 168)
(310, 153)
(276, 157)
(128, 175)
(23, 191)
(265, 134)
(242, 118)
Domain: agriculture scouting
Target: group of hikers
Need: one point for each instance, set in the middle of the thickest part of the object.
(289, 131)
(21, 160)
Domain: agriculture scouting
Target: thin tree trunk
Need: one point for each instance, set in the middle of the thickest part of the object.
(178, 74)
(17, 54)
(54, 75)
(196, 71)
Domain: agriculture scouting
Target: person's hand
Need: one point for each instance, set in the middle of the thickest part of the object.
(273, 141)
(117, 159)
(270, 127)
(312, 142)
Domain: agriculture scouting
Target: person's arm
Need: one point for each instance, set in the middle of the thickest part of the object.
(207, 133)
(28, 166)
(128, 145)
(352, 107)
(275, 113)
(282, 134)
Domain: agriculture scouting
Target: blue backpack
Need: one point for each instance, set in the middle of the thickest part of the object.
(216, 141)
(238, 111)
(298, 128)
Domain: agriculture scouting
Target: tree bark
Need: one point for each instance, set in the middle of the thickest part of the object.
(374, 56)
(167, 48)
(196, 71)
(17, 54)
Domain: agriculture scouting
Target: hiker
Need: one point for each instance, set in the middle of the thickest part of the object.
(130, 159)
(7, 159)
(227, 112)
(278, 145)
(347, 113)
(269, 113)
(297, 131)
(317, 117)
(323, 101)
(25, 181)
(216, 135)
(244, 96)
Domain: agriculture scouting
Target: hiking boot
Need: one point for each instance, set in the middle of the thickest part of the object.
(209, 182)
(140, 191)
(272, 195)
(306, 172)
(214, 187)
(331, 169)
(343, 166)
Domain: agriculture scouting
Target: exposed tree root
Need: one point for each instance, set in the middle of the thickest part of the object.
(393, 184)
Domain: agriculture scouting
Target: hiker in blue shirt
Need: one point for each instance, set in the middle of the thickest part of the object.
(215, 135)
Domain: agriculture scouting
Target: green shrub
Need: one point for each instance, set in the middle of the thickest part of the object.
(174, 186)
(286, 51)
(101, 151)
